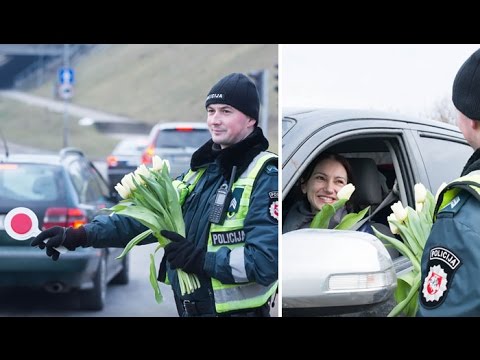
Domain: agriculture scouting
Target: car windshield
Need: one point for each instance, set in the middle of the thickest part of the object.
(182, 138)
(32, 183)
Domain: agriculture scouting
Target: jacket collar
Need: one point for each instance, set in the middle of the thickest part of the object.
(240, 154)
(472, 164)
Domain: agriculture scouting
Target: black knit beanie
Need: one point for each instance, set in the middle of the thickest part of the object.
(236, 90)
(466, 87)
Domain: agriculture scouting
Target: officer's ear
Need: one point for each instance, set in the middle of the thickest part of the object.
(475, 124)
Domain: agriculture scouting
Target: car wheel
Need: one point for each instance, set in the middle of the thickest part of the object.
(122, 278)
(94, 299)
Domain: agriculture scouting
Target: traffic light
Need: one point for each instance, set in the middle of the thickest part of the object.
(257, 77)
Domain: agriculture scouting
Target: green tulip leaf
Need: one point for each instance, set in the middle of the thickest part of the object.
(351, 219)
(322, 218)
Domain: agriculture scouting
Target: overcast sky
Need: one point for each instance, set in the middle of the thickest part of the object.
(406, 78)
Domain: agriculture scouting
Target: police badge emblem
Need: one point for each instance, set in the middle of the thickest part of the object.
(442, 265)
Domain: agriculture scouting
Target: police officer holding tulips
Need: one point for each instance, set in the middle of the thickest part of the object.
(229, 200)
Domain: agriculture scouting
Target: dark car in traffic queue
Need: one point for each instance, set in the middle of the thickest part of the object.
(351, 273)
(125, 158)
(63, 189)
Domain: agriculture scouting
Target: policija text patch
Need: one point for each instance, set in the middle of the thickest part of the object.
(442, 265)
(228, 237)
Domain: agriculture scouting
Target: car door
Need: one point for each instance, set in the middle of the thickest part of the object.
(383, 140)
(442, 154)
(405, 152)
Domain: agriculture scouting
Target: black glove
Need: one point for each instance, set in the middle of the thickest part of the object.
(183, 254)
(60, 236)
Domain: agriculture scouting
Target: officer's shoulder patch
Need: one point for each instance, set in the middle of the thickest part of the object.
(273, 208)
(271, 169)
(441, 266)
(456, 204)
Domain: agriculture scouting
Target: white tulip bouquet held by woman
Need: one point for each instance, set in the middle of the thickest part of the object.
(322, 219)
(150, 198)
(413, 227)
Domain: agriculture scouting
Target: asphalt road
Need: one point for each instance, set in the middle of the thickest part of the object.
(136, 299)
(133, 300)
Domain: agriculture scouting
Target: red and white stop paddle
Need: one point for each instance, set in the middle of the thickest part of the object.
(22, 224)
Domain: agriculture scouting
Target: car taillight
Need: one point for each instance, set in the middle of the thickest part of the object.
(112, 161)
(184, 128)
(60, 216)
(148, 154)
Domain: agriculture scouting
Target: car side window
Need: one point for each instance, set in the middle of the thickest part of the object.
(373, 186)
(96, 183)
(449, 164)
(75, 171)
(85, 184)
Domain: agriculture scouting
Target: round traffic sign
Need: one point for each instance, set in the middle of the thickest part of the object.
(21, 223)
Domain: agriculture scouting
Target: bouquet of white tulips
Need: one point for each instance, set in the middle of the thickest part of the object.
(149, 197)
(414, 227)
(322, 218)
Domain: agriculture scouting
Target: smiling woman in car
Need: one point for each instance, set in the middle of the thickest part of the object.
(320, 184)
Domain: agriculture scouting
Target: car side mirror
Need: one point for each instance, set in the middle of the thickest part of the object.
(327, 272)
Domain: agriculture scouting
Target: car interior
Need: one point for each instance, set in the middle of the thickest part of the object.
(374, 176)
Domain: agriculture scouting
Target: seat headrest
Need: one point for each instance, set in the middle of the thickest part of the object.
(368, 186)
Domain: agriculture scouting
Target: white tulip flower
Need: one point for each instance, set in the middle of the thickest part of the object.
(393, 227)
(141, 170)
(418, 207)
(124, 192)
(166, 162)
(157, 163)
(127, 182)
(346, 192)
(399, 211)
(420, 193)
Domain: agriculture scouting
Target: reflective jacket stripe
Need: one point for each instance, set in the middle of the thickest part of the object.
(245, 295)
(185, 186)
(469, 182)
(237, 263)
(233, 298)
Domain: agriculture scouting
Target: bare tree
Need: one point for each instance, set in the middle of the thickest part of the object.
(444, 111)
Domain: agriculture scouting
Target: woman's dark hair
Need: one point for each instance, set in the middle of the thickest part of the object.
(332, 156)
(323, 156)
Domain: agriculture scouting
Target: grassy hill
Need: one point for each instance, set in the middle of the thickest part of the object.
(149, 82)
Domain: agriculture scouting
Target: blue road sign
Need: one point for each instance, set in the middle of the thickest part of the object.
(66, 76)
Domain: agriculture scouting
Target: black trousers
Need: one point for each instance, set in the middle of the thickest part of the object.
(186, 308)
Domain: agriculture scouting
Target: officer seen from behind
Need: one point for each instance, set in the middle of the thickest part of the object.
(451, 258)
